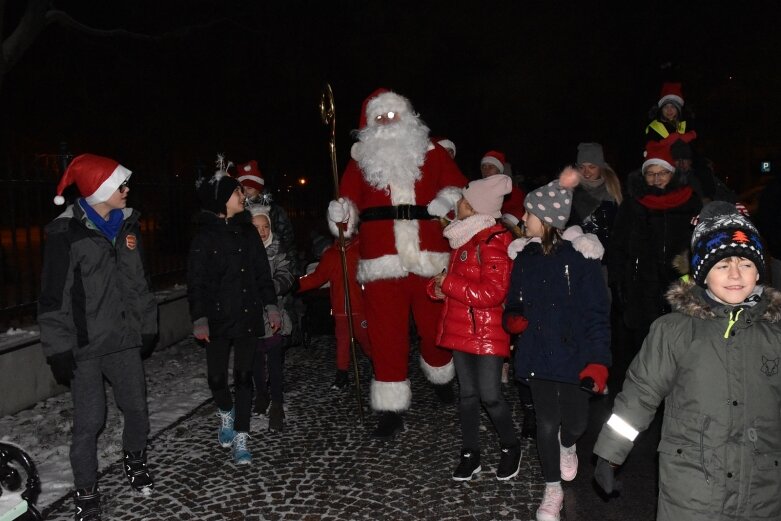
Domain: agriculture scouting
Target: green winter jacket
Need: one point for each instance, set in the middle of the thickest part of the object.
(717, 369)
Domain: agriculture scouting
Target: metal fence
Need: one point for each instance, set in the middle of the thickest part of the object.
(167, 204)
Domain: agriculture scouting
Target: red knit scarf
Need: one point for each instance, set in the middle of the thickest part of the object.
(669, 200)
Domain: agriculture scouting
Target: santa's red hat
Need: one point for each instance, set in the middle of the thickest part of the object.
(496, 158)
(249, 175)
(660, 152)
(380, 102)
(671, 93)
(96, 177)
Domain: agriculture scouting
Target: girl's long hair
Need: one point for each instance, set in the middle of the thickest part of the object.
(612, 183)
(551, 237)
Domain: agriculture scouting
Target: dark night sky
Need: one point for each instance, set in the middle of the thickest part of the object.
(532, 78)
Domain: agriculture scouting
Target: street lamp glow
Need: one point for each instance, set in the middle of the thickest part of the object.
(302, 181)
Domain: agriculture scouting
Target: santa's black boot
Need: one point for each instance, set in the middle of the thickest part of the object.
(389, 424)
(445, 393)
(87, 502)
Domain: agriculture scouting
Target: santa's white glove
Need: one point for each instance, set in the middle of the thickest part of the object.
(440, 206)
(338, 211)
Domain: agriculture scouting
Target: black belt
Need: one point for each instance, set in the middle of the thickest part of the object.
(406, 212)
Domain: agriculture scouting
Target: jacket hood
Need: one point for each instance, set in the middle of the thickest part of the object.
(587, 244)
(689, 299)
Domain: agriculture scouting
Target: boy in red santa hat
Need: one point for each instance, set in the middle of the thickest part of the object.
(494, 163)
(96, 315)
(396, 186)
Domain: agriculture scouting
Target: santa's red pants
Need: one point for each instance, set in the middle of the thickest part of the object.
(342, 332)
(387, 304)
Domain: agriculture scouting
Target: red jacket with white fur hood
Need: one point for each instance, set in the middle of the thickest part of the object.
(475, 289)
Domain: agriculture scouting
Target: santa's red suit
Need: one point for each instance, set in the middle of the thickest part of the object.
(401, 248)
(512, 207)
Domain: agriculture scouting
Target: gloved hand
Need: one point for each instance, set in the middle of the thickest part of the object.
(440, 206)
(62, 365)
(339, 211)
(274, 317)
(596, 372)
(201, 329)
(514, 323)
(148, 343)
(605, 476)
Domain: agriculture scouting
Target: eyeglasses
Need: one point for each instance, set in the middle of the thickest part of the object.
(658, 174)
(124, 187)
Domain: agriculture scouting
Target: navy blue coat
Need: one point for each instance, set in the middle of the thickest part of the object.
(564, 297)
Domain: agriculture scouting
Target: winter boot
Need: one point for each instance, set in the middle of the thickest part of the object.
(509, 462)
(276, 417)
(262, 402)
(341, 381)
(241, 454)
(445, 393)
(469, 466)
(388, 425)
(226, 433)
(568, 462)
(529, 427)
(137, 472)
(88, 504)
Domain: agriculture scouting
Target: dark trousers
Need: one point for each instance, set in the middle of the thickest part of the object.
(558, 406)
(480, 380)
(125, 372)
(268, 357)
(217, 359)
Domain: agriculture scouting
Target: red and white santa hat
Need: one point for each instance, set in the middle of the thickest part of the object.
(96, 177)
(671, 93)
(496, 158)
(250, 176)
(380, 102)
(658, 153)
(445, 143)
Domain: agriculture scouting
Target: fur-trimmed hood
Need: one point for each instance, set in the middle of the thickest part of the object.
(689, 299)
(587, 244)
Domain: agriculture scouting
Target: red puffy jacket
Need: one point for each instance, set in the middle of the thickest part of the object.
(475, 289)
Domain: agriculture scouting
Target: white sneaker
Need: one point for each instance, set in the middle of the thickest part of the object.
(568, 462)
(552, 501)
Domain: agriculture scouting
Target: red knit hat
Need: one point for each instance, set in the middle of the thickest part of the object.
(671, 93)
(493, 157)
(249, 175)
(96, 177)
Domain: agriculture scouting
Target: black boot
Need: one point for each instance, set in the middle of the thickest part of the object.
(529, 427)
(137, 472)
(262, 402)
(88, 504)
(388, 425)
(509, 462)
(276, 417)
(445, 393)
(341, 381)
(469, 466)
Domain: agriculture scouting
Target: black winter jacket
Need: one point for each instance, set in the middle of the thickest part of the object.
(95, 297)
(228, 276)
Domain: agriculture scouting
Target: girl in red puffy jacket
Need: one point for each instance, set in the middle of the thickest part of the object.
(474, 289)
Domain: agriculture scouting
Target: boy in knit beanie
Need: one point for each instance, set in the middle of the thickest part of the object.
(715, 362)
(473, 289)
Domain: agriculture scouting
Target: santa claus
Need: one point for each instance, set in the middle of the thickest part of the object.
(396, 186)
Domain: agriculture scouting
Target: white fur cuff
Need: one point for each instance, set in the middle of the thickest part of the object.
(390, 396)
(438, 375)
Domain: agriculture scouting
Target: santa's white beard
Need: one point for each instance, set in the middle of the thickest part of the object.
(394, 153)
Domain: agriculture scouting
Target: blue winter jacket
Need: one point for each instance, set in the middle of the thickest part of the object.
(564, 297)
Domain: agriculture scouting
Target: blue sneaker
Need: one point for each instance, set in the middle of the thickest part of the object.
(226, 433)
(241, 455)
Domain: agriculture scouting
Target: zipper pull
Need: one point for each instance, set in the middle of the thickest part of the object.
(732, 321)
(566, 274)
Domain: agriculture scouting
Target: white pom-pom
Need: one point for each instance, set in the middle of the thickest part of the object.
(59, 200)
(569, 178)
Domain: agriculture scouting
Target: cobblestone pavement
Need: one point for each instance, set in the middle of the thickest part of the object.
(324, 466)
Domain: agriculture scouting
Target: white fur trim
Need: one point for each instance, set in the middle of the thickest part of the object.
(670, 98)
(355, 150)
(446, 143)
(438, 375)
(390, 396)
(386, 267)
(657, 161)
(491, 160)
(352, 221)
(384, 103)
(587, 244)
(517, 246)
(510, 218)
(109, 186)
(59, 200)
(255, 178)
